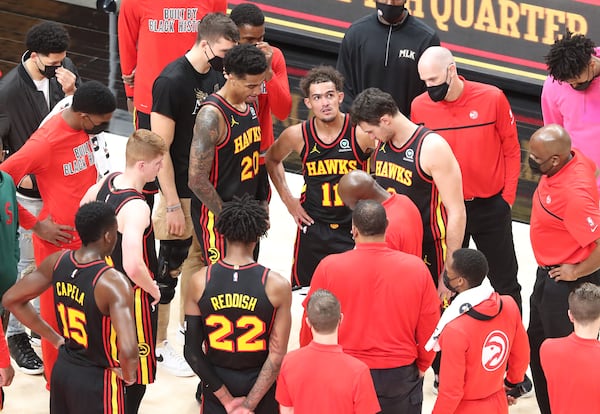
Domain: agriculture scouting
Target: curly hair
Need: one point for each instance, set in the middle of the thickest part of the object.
(569, 56)
(470, 264)
(94, 98)
(243, 220)
(247, 14)
(93, 220)
(244, 60)
(47, 37)
(321, 74)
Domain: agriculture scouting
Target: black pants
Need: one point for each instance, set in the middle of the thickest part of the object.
(548, 319)
(399, 390)
(489, 223)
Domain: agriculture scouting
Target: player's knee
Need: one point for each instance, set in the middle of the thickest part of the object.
(171, 256)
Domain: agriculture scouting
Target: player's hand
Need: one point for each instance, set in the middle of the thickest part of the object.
(6, 376)
(52, 232)
(60, 341)
(119, 372)
(564, 272)
(267, 50)
(421, 374)
(155, 293)
(511, 400)
(444, 293)
(300, 215)
(129, 79)
(67, 79)
(176, 222)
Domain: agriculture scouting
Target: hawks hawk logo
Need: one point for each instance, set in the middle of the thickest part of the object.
(495, 350)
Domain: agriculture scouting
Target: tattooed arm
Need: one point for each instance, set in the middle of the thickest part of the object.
(280, 294)
(209, 131)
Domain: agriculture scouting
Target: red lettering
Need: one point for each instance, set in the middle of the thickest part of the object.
(9, 213)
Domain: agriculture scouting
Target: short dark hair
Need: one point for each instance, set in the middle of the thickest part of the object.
(569, 56)
(369, 218)
(370, 105)
(470, 264)
(584, 303)
(215, 26)
(92, 97)
(247, 14)
(323, 311)
(242, 60)
(47, 37)
(243, 220)
(94, 219)
(321, 74)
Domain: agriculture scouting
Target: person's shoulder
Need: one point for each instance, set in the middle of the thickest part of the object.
(420, 25)
(174, 70)
(11, 83)
(370, 20)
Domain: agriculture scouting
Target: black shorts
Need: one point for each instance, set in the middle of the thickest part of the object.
(399, 390)
(84, 389)
(145, 330)
(313, 243)
(239, 383)
(434, 256)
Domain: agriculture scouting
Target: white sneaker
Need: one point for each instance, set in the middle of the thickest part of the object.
(172, 362)
(181, 335)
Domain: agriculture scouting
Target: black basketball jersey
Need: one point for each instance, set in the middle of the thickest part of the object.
(237, 315)
(323, 166)
(399, 170)
(117, 198)
(89, 335)
(236, 165)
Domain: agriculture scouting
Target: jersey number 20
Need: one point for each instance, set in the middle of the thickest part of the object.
(246, 342)
(250, 166)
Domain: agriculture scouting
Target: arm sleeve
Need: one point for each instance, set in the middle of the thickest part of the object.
(452, 371)
(518, 359)
(550, 111)
(30, 159)
(4, 354)
(128, 31)
(195, 356)
(278, 88)
(428, 319)
(506, 128)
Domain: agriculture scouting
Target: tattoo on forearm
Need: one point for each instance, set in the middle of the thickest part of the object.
(266, 378)
(202, 154)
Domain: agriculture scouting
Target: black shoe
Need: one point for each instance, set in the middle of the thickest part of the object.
(199, 393)
(24, 355)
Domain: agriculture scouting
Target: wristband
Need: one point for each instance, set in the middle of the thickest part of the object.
(173, 208)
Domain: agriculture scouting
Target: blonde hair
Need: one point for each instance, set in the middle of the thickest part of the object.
(143, 145)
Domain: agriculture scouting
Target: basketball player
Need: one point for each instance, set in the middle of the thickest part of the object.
(123, 192)
(225, 149)
(94, 309)
(329, 146)
(241, 311)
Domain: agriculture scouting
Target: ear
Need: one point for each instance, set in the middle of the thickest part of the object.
(570, 316)
(385, 120)
(340, 97)
(307, 322)
(307, 103)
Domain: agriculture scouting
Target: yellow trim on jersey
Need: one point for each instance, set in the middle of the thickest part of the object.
(114, 350)
(439, 219)
(114, 392)
(139, 324)
(213, 251)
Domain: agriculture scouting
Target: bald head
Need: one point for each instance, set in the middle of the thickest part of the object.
(435, 59)
(358, 185)
(550, 147)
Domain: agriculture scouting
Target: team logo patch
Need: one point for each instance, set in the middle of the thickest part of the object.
(382, 147)
(213, 254)
(495, 351)
(143, 349)
(344, 146)
(473, 114)
(315, 149)
(234, 122)
(409, 155)
(252, 112)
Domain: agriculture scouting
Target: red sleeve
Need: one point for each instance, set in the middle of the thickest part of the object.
(278, 87)
(128, 31)
(452, 371)
(365, 397)
(428, 318)
(4, 354)
(518, 359)
(506, 128)
(30, 159)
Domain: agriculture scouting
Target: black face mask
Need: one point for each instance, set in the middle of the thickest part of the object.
(437, 93)
(48, 71)
(536, 167)
(583, 85)
(390, 13)
(96, 129)
(447, 282)
(216, 63)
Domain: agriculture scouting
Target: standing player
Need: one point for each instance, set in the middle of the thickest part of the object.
(329, 147)
(225, 149)
(94, 304)
(177, 95)
(135, 254)
(404, 231)
(412, 160)
(482, 339)
(241, 310)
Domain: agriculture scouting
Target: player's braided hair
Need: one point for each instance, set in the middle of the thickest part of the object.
(243, 220)
(569, 56)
